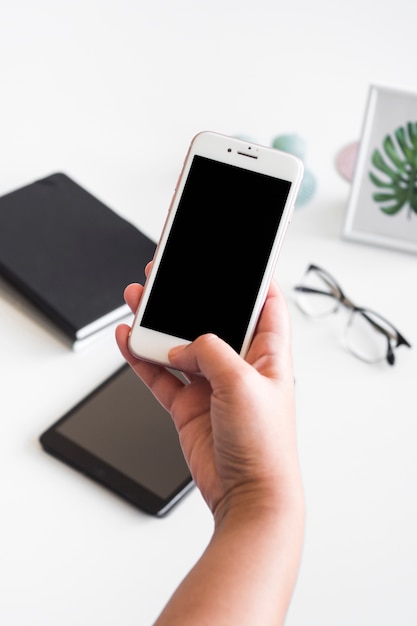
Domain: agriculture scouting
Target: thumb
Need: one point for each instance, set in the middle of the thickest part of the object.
(207, 355)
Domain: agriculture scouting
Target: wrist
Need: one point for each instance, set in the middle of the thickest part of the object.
(262, 503)
(260, 540)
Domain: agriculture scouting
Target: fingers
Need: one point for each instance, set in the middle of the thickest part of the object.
(270, 351)
(132, 296)
(133, 292)
(122, 337)
(275, 316)
(163, 384)
(148, 268)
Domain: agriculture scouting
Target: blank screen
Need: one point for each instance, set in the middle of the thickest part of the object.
(217, 252)
(124, 426)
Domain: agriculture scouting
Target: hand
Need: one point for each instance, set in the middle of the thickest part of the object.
(235, 418)
(236, 423)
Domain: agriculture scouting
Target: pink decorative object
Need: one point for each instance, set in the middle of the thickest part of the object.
(346, 160)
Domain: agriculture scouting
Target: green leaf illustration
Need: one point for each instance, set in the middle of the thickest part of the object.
(396, 175)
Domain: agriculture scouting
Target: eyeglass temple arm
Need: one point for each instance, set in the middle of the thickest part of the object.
(311, 290)
(329, 280)
(400, 340)
(335, 289)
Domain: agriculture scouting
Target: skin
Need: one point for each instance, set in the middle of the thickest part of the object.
(237, 429)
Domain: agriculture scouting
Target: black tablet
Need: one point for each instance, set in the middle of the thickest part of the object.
(120, 436)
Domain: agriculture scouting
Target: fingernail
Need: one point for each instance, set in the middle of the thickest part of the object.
(175, 351)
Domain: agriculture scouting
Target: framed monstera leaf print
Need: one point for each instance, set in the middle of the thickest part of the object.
(382, 207)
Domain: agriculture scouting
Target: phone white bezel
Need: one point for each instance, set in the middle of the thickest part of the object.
(153, 345)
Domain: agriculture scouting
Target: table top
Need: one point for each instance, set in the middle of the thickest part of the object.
(111, 94)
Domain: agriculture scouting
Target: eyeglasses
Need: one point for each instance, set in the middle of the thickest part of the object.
(368, 336)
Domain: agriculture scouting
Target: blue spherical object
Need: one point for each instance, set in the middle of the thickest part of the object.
(307, 188)
(294, 144)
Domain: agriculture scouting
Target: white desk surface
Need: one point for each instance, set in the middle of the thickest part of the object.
(111, 93)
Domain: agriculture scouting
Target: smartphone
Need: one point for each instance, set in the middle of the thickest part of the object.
(219, 246)
(120, 436)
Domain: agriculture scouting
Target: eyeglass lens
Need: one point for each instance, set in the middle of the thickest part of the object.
(367, 336)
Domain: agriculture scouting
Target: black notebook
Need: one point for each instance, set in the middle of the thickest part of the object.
(70, 254)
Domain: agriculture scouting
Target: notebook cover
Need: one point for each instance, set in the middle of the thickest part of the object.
(70, 254)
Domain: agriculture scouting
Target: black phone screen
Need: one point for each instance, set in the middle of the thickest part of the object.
(219, 246)
(122, 437)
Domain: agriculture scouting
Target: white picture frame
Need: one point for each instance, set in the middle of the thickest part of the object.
(382, 207)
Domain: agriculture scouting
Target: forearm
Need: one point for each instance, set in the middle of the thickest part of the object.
(247, 573)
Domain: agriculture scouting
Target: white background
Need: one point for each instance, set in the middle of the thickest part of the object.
(111, 93)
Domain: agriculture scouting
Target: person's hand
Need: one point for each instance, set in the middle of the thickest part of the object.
(235, 418)
(236, 424)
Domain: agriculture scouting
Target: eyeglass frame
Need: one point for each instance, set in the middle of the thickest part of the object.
(341, 298)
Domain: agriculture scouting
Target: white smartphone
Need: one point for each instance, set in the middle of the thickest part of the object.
(219, 246)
